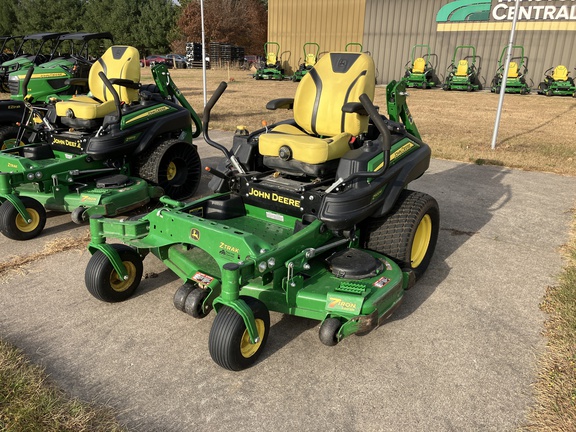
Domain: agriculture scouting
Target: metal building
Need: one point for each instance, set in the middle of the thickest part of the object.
(389, 28)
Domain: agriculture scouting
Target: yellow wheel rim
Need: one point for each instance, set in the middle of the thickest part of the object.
(25, 227)
(171, 171)
(117, 283)
(247, 348)
(421, 241)
(11, 144)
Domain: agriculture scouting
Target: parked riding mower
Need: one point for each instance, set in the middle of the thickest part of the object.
(34, 50)
(464, 74)
(314, 220)
(517, 69)
(311, 52)
(557, 82)
(420, 72)
(106, 153)
(60, 78)
(272, 69)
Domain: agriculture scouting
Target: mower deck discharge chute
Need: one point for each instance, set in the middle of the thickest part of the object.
(105, 153)
(310, 218)
(557, 82)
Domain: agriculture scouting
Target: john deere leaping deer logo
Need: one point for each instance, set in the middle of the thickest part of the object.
(195, 234)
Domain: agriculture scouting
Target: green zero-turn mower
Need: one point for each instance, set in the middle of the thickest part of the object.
(517, 70)
(557, 82)
(272, 69)
(464, 74)
(311, 218)
(60, 78)
(420, 72)
(311, 53)
(105, 153)
(33, 50)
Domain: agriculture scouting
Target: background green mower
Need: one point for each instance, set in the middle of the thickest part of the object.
(106, 154)
(557, 82)
(314, 220)
(311, 53)
(420, 73)
(464, 74)
(33, 50)
(272, 69)
(517, 70)
(60, 78)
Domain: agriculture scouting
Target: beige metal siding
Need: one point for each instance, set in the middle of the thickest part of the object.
(392, 27)
(330, 23)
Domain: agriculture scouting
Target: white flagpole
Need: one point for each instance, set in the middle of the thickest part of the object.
(505, 76)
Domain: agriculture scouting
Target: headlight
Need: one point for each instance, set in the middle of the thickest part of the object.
(13, 78)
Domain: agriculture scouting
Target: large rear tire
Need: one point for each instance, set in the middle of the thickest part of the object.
(407, 234)
(229, 342)
(8, 135)
(173, 165)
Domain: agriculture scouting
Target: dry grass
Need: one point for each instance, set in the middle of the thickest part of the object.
(556, 387)
(30, 403)
(536, 132)
(16, 263)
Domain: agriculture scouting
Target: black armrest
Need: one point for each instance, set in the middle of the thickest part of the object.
(77, 81)
(284, 103)
(354, 107)
(124, 83)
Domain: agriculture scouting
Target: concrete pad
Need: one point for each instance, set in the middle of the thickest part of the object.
(460, 353)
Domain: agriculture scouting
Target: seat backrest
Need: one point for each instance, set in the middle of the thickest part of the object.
(560, 73)
(462, 69)
(513, 70)
(310, 60)
(271, 59)
(337, 78)
(419, 65)
(117, 62)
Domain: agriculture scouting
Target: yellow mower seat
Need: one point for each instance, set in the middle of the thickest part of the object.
(560, 73)
(513, 70)
(310, 60)
(271, 59)
(419, 65)
(322, 131)
(117, 62)
(462, 69)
